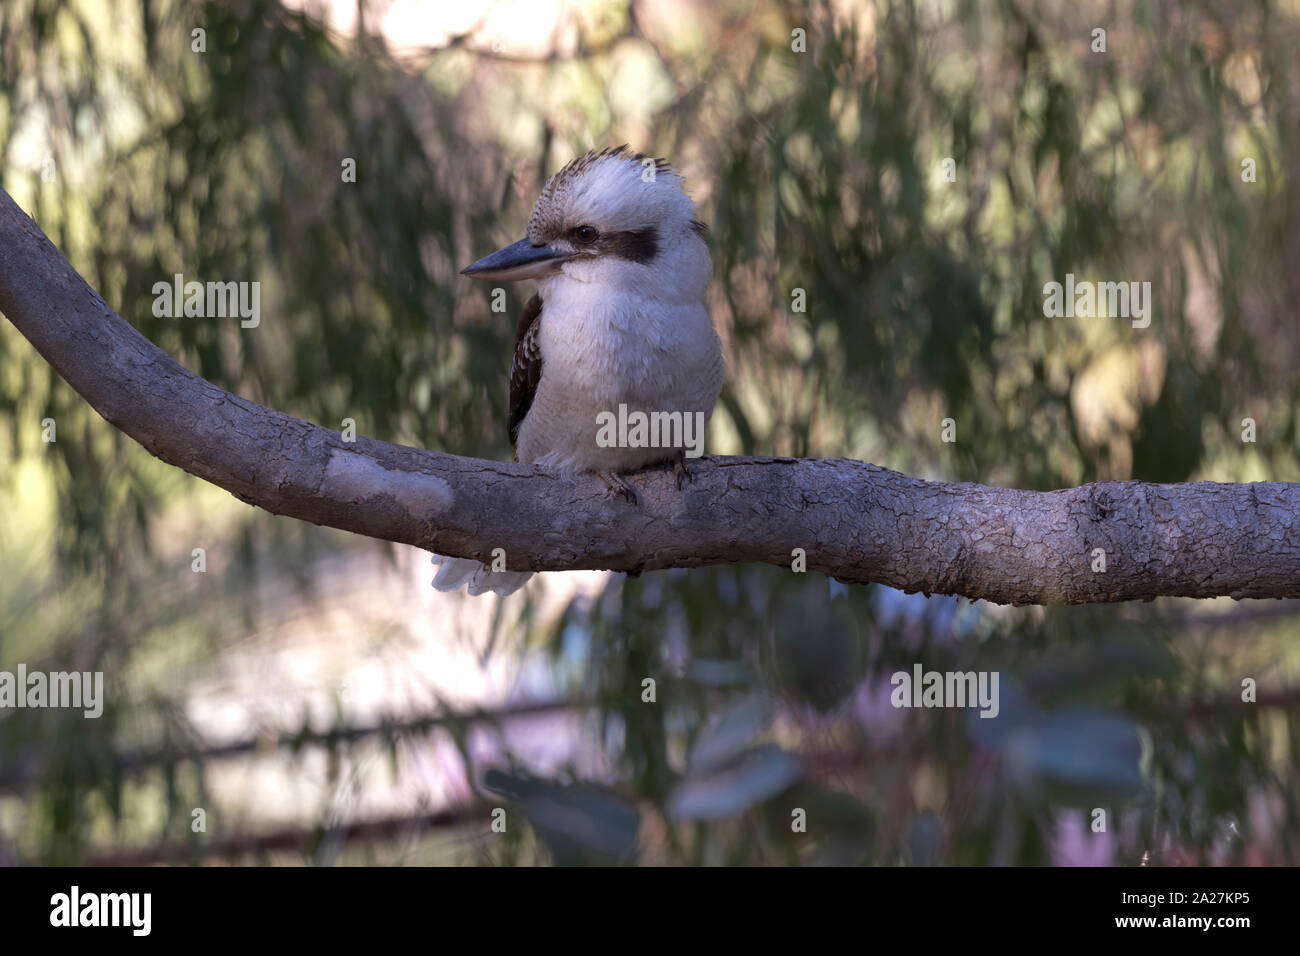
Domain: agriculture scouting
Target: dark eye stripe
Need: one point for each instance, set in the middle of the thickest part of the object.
(635, 245)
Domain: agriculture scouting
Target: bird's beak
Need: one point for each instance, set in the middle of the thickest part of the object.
(519, 260)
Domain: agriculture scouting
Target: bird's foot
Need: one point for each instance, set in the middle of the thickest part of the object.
(619, 486)
(682, 470)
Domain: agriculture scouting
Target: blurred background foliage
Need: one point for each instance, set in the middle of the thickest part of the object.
(769, 737)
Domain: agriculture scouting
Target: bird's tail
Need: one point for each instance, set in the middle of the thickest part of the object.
(453, 573)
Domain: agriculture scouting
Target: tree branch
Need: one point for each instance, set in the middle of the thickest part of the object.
(301, 840)
(855, 521)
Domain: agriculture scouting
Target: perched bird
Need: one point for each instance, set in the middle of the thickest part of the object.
(619, 320)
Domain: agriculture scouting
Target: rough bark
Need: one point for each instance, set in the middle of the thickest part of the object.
(855, 521)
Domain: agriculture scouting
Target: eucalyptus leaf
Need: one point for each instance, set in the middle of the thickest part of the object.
(578, 823)
(730, 733)
(1078, 756)
(727, 791)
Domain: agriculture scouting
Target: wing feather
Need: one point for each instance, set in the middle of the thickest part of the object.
(526, 369)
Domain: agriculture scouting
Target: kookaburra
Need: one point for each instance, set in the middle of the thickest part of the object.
(618, 320)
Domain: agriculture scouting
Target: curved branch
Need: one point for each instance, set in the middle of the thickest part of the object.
(855, 521)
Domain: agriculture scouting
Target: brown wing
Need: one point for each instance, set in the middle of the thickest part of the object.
(526, 370)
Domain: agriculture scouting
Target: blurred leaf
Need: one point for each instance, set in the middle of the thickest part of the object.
(816, 646)
(732, 789)
(839, 829)
(1078, 756)
(715, 673)
(727, 734)
(579, 824)
(925, 839)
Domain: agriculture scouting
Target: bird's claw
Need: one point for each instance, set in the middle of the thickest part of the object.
(682, 471)
(619, 486)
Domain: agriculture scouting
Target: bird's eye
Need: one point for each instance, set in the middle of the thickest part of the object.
(586, 233)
